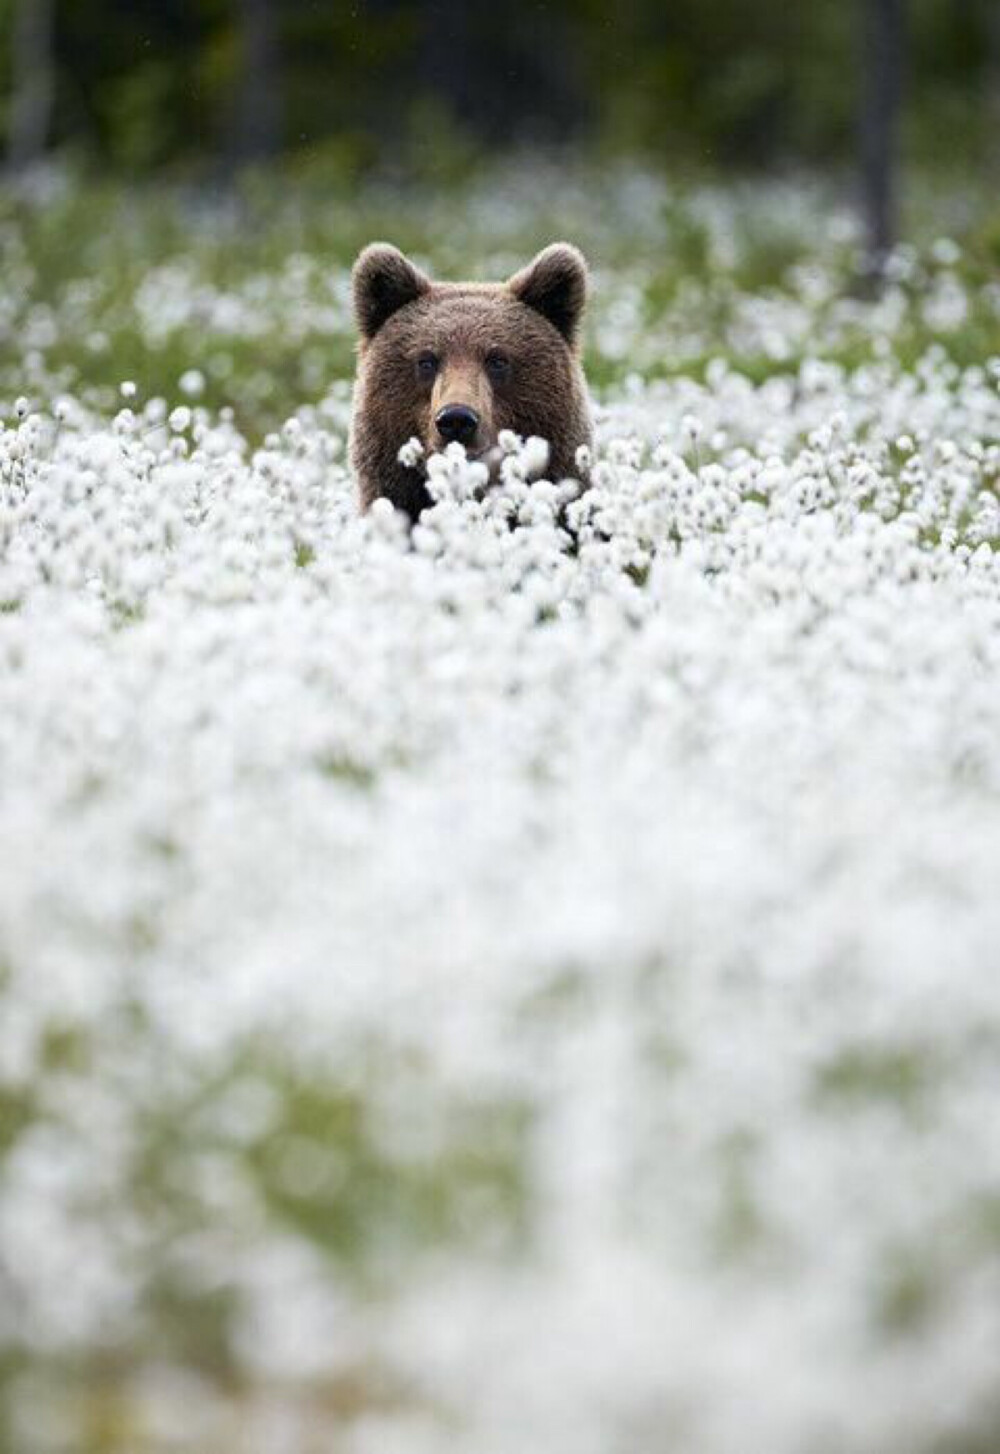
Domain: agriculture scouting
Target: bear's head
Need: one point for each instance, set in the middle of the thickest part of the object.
(462, 361)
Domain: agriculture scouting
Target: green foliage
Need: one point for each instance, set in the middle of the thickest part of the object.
(399, 83)
(864, 1076)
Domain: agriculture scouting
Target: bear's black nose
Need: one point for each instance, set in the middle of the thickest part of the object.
(457, 422)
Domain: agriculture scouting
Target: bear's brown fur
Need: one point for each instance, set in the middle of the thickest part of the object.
(498, 355)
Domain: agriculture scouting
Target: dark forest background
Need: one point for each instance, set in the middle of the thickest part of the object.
(189, 85)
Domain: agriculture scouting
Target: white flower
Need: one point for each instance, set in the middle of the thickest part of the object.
(411, 453)
(192, 383)
(535, 456)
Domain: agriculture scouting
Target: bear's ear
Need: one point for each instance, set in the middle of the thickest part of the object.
(383, 281)
(555, 285)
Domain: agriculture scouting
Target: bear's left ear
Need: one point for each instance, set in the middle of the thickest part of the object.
(383, 280)
(555, 285)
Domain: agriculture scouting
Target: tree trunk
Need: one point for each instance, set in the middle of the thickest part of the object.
(32, 82)
(992, 24)
(449, 62)
(502, 83)
(882, 33)
(257, 120)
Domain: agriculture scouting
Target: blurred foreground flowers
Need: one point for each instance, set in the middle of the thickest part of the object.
(527, 984)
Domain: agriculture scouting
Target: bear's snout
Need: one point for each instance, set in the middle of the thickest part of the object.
(457, 423)
(462, 405)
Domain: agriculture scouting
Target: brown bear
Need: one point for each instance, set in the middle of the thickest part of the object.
(447, 362)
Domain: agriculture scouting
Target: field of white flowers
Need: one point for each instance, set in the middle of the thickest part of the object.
(494, 988)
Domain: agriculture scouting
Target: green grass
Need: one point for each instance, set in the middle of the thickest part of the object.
(76, 265)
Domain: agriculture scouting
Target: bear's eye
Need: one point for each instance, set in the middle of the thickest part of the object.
(497, 365)
(427, 365)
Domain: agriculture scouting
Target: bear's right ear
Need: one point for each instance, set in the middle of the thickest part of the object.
(383, 281)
